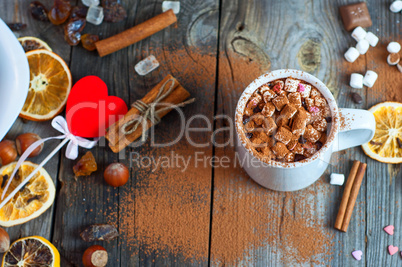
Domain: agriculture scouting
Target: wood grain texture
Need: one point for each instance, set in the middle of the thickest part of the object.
(17, 11)
(254, 37)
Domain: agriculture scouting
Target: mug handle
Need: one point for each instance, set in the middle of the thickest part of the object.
(357, 126)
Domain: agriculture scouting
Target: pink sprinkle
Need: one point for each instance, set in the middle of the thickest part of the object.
(301, 88)
(314, 109)
(276, 88)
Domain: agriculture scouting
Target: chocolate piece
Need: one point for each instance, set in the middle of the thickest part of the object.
(246, 119)
(356, 98)
(299, 157)
(355, 15)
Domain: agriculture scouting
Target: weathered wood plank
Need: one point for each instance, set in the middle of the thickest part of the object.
(17, 11)
(181, 50)
(168, 198)
(384, 181)
(88, 200)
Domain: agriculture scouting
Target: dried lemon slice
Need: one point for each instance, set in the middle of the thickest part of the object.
(31, 251)
(386, 145)
(49, 86)
(32, 200)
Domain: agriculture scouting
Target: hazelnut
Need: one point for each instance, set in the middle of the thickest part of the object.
(4, 240)
(116, 174)
(25, 140)
(95, 256)
(8, 152)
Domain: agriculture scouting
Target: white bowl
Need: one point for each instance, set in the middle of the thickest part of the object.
(14, 78)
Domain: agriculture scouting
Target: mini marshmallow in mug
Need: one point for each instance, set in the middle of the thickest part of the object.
(356, 80)
(362, 46)
(372, 39)
(337, 179)
(394, 47)
(370, 78)
(359, 33)
(352, 54)
(396, 6)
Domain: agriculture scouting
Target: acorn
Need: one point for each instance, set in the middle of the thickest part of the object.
(25, 140)
(95, 256)
(8, 152)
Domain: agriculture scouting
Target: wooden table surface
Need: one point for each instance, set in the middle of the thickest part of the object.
(215, 50)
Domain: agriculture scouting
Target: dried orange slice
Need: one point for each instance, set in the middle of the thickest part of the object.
(386, 145)
(32, 200)
(31, 251)
(49, 86)
(30, 43)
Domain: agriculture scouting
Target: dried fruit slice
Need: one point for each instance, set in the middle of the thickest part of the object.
(49, 86)
(32, 200)
(31, 251)
(30, 43)
(386, 145)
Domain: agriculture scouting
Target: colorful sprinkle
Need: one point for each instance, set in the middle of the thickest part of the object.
(277, 88)
(357, 254)
(392, 250)
(313, 109)
(301, 88)
(389, 229)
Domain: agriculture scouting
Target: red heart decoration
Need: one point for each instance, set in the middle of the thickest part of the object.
(90, 110)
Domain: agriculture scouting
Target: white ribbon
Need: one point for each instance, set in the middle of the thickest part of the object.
(60, 124)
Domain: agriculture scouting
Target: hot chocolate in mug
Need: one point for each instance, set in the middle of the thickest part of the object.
(349, 128)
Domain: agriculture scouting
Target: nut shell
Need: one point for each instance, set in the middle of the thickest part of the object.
(95, 256)
(116, 174)
(25, 140)
(4, 241)
(8, 152)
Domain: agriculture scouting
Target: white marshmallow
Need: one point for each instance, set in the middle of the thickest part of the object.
(359, 33)
(337, 179)
(356, 80)
(362, 46)
(372, 38)
(394, 47)
(352, 54)
(370, 78)
(396, 6)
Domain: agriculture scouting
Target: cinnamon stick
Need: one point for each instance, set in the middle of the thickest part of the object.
(136, 33)
(346, 194)
(353, 196)
(118, 141)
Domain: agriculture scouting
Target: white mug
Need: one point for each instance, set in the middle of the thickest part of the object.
(349, 128)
